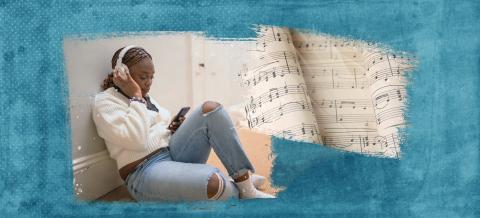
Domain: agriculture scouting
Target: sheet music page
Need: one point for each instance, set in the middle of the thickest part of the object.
(386, 76)
(318, 88)
(357, 92)
(278, 103)
(337, 84)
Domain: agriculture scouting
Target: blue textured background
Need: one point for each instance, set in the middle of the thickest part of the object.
(438, 174)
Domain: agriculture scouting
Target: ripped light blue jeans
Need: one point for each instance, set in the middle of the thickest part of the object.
(179, 173)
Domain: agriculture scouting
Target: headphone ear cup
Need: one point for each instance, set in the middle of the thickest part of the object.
(118, 68)
(125, 71)
(122, 69)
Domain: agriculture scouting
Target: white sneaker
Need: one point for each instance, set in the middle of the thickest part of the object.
(247, 190)
(257, 180)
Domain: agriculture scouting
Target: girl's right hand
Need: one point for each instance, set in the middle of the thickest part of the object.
(128, 85)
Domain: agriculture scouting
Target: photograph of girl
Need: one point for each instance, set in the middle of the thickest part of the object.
(163, 158)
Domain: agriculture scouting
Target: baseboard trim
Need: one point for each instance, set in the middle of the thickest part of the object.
(89, 160)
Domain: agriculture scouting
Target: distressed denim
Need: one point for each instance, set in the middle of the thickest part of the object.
(180, 173)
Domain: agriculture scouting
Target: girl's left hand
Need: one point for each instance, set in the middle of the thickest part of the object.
(174, 125)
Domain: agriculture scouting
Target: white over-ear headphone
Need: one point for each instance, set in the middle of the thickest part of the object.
(121, 67)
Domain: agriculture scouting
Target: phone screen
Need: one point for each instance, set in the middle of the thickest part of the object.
(181, 113)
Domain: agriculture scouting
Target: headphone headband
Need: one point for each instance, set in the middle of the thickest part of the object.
(123, 52)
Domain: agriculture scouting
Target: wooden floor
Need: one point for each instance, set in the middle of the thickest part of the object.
(258, 149)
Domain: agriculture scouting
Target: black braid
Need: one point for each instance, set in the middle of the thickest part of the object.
(133, 56)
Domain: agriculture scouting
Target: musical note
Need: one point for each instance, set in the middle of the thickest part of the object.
(275, 93)
(262, 75)
(299, 131)
(354, 104)
(345, 118)
(381, 96)
(276, 113)
(384, 115)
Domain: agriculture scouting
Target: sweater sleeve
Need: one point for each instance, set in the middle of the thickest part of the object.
(159, 134)
(124, 125)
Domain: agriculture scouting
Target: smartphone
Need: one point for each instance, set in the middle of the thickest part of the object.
(181, 113)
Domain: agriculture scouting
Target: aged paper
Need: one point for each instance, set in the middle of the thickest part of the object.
(317, 88)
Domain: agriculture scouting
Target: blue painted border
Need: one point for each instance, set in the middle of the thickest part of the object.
(437, 176)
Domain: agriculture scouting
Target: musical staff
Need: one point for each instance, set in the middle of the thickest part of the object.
(384, 95)
(325, 44)
(276, 113)
(346, 72)
(345, 84)
(355, 104)
(273, 94)
(345, 118)
(385, 74)
(362, 140)
(344, 141)
(377, 57)
(301, 131)
(270, 73)
(273, 34)
(392, 113)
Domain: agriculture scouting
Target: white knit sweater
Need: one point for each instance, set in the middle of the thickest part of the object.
(130, 130)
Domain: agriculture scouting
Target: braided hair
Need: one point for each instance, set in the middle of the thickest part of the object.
(131, 57)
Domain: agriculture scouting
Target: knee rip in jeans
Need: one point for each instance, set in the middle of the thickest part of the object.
(209, 106)
(215, 187)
